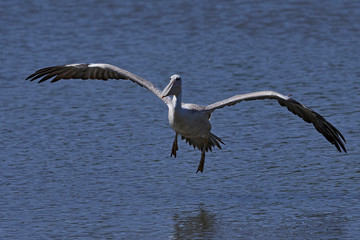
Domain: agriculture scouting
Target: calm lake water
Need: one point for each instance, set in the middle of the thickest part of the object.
(91, 159)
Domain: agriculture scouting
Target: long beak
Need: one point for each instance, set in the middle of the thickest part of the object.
(167, 90)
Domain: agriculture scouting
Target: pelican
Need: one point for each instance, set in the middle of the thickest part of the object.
(190, 121)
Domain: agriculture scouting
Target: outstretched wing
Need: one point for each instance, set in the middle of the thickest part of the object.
(322, 126)
(100, 71)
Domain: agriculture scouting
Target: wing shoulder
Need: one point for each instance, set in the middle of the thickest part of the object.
(245, 97)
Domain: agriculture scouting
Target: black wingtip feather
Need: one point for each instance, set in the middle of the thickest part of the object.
(331, 133)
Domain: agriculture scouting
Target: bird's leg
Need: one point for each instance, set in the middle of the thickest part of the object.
(174, 146)
(202, 159)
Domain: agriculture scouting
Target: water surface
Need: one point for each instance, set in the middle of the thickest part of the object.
(90, 159)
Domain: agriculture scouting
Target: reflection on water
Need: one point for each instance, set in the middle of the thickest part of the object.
(200, 222)
(90, 160)
(195, 224)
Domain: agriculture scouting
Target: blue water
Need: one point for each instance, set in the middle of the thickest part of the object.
(90, 159)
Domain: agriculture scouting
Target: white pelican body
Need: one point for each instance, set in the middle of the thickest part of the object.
(187, 119)
(188, 122)
(191, 121)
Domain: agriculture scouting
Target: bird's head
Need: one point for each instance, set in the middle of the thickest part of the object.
(174, 86)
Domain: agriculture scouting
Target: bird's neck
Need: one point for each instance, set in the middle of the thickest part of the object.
(176, 101)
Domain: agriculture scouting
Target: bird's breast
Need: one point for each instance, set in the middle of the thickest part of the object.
(189, 123)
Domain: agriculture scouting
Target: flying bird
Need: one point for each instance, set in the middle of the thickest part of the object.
(190, 121)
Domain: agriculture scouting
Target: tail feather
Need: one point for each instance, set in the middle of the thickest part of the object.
(213, 141)
(203, 145)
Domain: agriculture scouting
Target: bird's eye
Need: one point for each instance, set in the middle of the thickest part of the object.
(178, 78)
